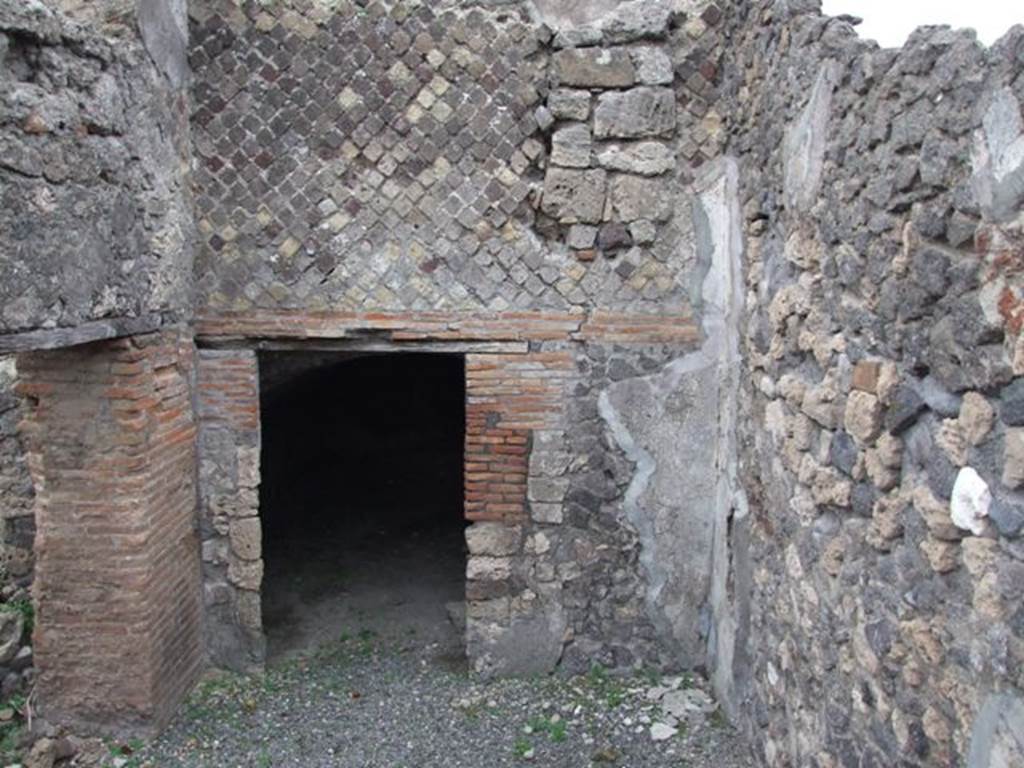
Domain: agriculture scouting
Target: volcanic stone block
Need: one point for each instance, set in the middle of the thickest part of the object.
(1008, 517)
(569, 104)
(595, 68)
(1013, 459)
(906, 407)
(863, 418)
(582, 236)
(612, 236)
(571, 146)
(1012, 403)
(653, 66)
(636, 113)
(573, 196)
(636, 197)
(636, 20)
(493, 539)
(648, 158)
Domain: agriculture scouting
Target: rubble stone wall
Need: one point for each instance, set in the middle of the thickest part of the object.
(16, 493)
(95, 211)
(880, 422)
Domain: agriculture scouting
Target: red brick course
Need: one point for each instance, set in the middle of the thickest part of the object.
(454, 326)
(111, 445)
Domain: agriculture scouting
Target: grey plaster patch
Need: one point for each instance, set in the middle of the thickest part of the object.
(160, 23)
(804, 148)
(677, 426)
(998, 158)
(997, 740)
(720, 243)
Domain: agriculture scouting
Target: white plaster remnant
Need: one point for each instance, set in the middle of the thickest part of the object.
(805, 142)
(998, 158)
(970, 502)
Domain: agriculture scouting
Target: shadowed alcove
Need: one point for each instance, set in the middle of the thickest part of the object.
(361, 496)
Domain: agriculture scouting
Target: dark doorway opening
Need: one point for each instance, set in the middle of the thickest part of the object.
(361, 497)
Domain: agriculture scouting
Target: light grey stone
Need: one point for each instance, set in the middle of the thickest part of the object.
(636, 113)
(581, 237)
(12, 625)
(545, 119)
(160, 23)
(643, 231)
(494, 539)
(595, 67)
(574, 196)
(527, 645)
(485, 568)
(571, 146)
(546, 513)
(653, 66)
(997, 738)
(662, 732)
(548, 489)
(636, 197)
(648, 158)
(998, 158)
(217, 593)
(569, 104)
(637, 20)
(569, 14)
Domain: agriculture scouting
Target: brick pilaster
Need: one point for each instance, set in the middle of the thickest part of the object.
(507, 397)
(111, 446)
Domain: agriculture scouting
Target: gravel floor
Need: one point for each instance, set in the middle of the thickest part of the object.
(399, 702)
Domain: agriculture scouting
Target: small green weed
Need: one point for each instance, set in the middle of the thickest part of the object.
(522, 747)
(10, 732)
(124, 754)
(554, 727)
(606, 686)
(25, 608)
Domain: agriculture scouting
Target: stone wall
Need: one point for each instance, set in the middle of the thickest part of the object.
(487, 174)
(229, 475)
(94, 140)
(555, 572)
(407, 155)
(16, 492)
(740, 296)
(110, 441)
(880, 438)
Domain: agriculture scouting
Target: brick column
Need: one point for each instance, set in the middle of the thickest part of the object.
(229, 449)
(507, 398)
(111, 448)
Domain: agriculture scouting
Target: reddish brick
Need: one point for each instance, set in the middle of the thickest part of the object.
(112, 431)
